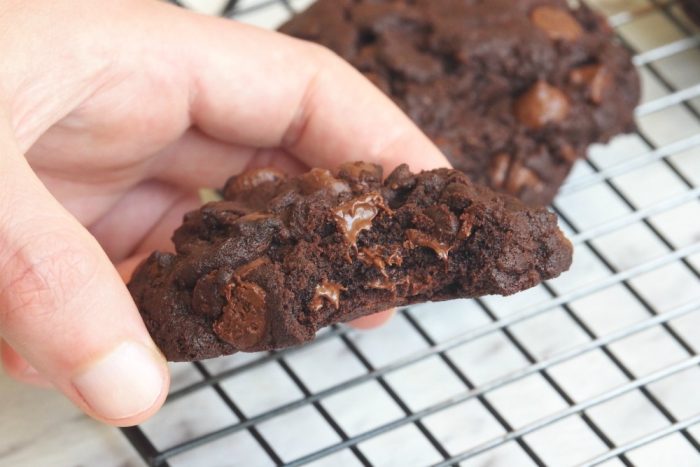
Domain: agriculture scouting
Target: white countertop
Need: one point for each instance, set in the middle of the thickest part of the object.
(39, 427)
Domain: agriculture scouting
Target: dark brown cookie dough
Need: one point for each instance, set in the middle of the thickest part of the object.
(278, 258)
(513, 92)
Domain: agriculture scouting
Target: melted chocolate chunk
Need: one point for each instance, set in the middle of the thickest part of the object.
(314, 255)
(542, 104)
(326, 293)
(360, 172)
(445, 222)
(386, 284)
(356, 215)
(252, 180)
(416, 239)
(499, 169)
(242, 272)
(596, 79)
(521, 178)
(322, 179)
(380, 257)
(557, 23)
(496, 84)
(243, 320)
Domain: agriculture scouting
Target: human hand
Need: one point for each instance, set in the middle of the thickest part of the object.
(112, 115)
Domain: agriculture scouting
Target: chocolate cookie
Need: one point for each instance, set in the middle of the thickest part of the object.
(692, 9)
(278, 258)
(513, 92)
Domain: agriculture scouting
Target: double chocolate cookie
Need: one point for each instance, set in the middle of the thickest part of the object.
(278, 258)
(513, 92)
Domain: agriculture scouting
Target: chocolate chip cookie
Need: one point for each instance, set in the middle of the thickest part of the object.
(513, 92)
(279, 258)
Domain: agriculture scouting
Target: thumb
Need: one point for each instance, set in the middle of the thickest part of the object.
(64, 308)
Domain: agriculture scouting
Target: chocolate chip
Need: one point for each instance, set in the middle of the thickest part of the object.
(419, 283)
(251, 179)
(322, 180)
(513, 176)
(380, 257)
(243, 322)
(456, 195)
(416, 238)
(465, 229)
(499, 169)
(596, 78)
(446, 223)
(401, 178)
(365, 172)
(242, 272)
(558, 24)
(326, 293)
(398, 53)
(207, 299)
(357, 215)
(219, 213)
(520, 177)
(540, 105)
(385, 283)
(568, 152)
(382, 284)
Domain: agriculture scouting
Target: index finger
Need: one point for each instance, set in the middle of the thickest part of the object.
(263, 89)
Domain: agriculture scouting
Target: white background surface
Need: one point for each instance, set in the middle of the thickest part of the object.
(39, 428)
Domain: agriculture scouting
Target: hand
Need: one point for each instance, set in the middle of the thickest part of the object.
(112, 115)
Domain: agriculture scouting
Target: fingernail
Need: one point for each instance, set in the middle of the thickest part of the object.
(124, 383)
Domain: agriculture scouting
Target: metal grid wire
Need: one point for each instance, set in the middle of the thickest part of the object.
(597, 367)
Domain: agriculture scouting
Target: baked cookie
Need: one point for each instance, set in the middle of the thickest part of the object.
(279, 258)
(513, 92)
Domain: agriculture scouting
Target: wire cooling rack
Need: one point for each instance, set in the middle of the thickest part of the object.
(598, 367)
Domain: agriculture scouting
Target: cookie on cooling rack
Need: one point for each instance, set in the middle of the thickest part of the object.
(278, 258)
(512, 92)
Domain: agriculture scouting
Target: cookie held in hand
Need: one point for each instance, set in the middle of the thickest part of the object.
(281, 257)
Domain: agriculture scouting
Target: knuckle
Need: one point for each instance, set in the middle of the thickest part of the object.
(320, 55)
(322, 63)
(320, 52)
(42, 275)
